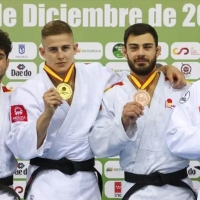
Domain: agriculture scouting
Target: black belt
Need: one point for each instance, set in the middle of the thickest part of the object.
(157, 179)
(65, 166)
(4, 186)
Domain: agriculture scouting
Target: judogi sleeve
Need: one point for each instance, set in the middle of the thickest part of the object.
(183, 134)
(26, 107)
(108, 137)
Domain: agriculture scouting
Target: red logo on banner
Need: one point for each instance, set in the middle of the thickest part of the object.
(19, 189)
(118, 189)
(18, 114)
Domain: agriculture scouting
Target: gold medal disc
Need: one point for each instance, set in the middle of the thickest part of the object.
(64, 90)
(142, 97)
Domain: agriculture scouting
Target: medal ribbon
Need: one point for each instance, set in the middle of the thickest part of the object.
(148, 81)
(49, 71)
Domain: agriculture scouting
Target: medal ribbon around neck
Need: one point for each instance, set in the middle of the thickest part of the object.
(148, 81)
(142, 96)
(63, 88)
(68, 75)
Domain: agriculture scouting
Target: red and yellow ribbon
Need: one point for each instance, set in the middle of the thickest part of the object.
(68, 75)
(148, 81)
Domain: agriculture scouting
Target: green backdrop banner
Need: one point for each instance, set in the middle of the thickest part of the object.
(98, 28)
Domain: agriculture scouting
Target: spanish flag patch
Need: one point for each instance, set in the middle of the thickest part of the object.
(5, 89)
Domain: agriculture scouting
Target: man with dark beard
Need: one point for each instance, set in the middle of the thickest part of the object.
(133, 122)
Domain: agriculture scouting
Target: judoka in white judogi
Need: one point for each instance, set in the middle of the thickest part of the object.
(183, 134)
(67, 134)
(8, 163)
(142, 149)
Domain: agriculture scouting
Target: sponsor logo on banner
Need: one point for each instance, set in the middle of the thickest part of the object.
(113, 51)
(89, 51)
(118, 66)
(113, 170)
(191, 70)
(23, 50)
(113, 189)
(18, 114)
(117, 50)
(21, 170)
(118, 189)
(193, 169)
(19, 187)
(186, 69)
(24, 70)
(164, 51)
(185, 50)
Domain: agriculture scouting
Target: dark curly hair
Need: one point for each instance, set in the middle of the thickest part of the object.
(5, 43)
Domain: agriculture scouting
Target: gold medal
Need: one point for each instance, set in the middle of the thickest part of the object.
(142, 97)
(64, 90)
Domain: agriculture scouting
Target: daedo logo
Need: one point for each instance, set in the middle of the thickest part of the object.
(21, 170)
(20, 71)
(24, 70)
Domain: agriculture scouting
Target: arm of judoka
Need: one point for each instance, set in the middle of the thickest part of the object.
(42, 126)
(175, 76)
(183, 134)
(52, 100)
(23, 133)
(108, 137)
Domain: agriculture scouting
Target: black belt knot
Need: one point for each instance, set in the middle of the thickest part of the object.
(161, 179)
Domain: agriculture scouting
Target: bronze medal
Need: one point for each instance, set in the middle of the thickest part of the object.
(142, 97)
(64, 90)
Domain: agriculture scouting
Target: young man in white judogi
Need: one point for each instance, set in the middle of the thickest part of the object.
(8, 163)
(133, 122)
(51, 115)
(183, 134)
